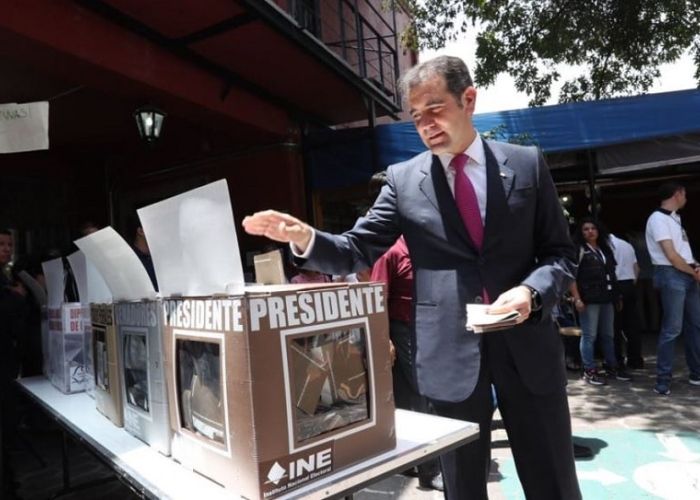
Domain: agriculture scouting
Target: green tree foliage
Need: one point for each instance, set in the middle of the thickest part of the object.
(619, 44)
(501, 133)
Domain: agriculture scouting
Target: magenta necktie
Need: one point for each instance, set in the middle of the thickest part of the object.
(468, 206)
(467, 203)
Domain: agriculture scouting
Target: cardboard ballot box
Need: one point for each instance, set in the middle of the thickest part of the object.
(108, 383)
(99, 344)
(140, 333)
(280, 385)
(270, 387)
(134, 341)
(65, 364)
(88, 349)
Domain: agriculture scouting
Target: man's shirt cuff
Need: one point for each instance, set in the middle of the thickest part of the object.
(309, 247)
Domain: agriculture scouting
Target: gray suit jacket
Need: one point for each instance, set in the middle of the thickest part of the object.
(526, 241)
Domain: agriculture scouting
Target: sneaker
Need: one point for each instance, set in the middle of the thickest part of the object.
(621, 374)
(662, 388)
(694, 379)
(593, 378)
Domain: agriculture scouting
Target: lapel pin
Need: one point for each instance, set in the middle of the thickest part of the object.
(503, 175)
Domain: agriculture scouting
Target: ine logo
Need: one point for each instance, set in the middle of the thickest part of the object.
(301, 468)
(277, 472)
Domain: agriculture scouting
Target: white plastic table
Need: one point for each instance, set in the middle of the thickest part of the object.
(152, 475)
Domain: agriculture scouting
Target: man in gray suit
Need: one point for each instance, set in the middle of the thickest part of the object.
(483, 223)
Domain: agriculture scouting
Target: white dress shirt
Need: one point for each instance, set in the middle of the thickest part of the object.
(475, 169)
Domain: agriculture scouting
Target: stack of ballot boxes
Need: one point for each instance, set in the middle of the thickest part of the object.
(270, 387)
(133, 347)
(64, 363)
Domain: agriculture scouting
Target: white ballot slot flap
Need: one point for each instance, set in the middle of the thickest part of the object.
(118, 265)
(92, 287)
(55, 281)
(193, 242)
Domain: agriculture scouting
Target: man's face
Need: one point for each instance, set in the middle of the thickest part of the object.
(443, 123)
(6, 246)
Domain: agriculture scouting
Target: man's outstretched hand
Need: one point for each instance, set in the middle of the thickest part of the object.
(279, 226)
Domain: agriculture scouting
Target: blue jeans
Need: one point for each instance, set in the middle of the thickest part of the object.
(680, 301)
(598, 318)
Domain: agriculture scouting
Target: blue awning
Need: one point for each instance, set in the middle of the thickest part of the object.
(569, 127)
(344, 157)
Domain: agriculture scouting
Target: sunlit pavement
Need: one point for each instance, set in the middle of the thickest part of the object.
(645, 446)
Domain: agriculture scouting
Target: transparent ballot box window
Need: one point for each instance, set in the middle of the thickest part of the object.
(67, 367)
(200, 388)
(135, 351)
(101, 358)
(329, 381)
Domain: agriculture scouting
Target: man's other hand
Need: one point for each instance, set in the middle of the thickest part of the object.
(516, 299)
(279, 226)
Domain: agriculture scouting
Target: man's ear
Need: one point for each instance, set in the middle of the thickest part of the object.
(469, 99)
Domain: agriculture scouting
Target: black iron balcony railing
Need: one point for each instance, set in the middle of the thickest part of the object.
(361, 32)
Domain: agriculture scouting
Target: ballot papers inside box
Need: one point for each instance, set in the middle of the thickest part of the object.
(200, 387)
(329, 380)
(272, 376)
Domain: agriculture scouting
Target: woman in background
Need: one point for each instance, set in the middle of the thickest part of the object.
(595, 297)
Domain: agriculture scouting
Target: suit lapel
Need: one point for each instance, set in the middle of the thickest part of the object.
(499, 184)
(435, 187)
(500, 180)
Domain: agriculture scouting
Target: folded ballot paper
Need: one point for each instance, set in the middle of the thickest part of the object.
(479, 320)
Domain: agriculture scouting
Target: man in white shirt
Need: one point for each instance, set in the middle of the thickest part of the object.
(676, 276)
(628, 338)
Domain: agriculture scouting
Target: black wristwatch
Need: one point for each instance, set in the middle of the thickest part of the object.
(535, 299)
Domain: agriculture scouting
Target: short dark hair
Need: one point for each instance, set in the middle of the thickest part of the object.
(452, 69)
(603, 233)
(5, 231)
(668, 189)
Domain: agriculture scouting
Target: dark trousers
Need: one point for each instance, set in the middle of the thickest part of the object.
(648, 305)
(538, 427)
(406, 394)
(628, 335)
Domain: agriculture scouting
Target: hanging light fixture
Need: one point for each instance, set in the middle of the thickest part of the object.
(149, 120)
